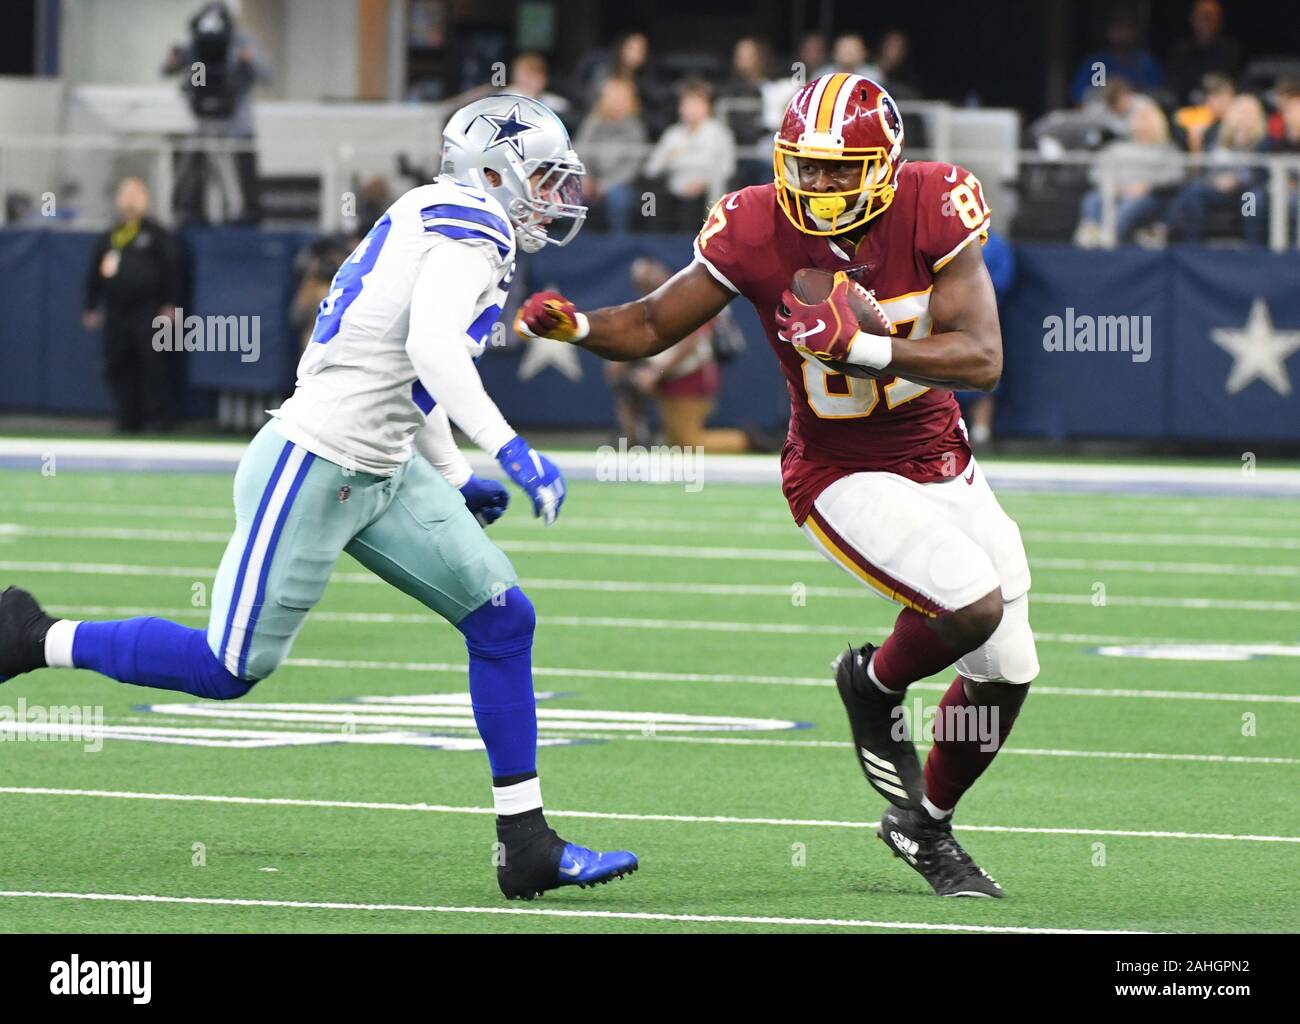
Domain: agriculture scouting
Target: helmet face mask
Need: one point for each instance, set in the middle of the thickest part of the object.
(553, 211)
(841, 119)
(518, 138)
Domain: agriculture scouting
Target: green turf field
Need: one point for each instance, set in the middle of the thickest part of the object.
(692, 630)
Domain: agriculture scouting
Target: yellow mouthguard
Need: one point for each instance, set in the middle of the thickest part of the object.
(827, 207)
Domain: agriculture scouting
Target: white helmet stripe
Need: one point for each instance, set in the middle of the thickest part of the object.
(814, 104)
(842, 101)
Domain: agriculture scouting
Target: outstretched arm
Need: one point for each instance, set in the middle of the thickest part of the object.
(690, 299)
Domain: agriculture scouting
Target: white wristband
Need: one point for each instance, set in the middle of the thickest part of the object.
(580, 331)
(875, 351)
(583, 328)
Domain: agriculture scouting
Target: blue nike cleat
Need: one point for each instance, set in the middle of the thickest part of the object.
(537, 860)
(582, 867)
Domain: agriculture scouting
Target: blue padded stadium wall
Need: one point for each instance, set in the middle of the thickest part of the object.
(49, 363)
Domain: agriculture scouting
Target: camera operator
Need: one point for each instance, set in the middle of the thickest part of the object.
(221, 64)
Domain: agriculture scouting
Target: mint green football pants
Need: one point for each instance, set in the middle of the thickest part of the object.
(295, 512)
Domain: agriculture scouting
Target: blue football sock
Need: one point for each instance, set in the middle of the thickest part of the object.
(499, 638)
(155, 652)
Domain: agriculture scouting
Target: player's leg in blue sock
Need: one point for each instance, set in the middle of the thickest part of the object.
(428, 545)
(292, 520)
(499, 639)
(154, 652)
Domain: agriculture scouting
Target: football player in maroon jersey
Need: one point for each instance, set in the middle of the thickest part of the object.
(877, 467)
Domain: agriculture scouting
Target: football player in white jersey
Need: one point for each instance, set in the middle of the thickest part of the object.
(389, 368)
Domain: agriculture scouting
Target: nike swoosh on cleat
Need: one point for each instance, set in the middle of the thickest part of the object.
(577, 870)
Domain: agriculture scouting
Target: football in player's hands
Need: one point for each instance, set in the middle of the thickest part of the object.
(550, 315)
(813, 287)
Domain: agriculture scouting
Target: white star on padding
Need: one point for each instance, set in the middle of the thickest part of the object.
(1259, 351)
(544, 352)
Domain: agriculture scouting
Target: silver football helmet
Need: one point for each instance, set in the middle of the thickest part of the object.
(517, 137)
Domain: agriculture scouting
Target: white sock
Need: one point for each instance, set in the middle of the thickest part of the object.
(58, 644)
(522, 796)
(871, 674)
(936, 813)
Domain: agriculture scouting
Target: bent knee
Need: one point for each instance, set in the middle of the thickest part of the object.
(216, 682)
(501, 626)
(1009, 657)
(969, 627)
(999, 693)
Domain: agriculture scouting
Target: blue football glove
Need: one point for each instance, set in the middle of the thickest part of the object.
(536, 474)
(487, 499)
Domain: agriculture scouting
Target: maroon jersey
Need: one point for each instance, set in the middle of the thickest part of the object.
(839, 424)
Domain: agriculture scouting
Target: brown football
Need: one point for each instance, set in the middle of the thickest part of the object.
(813, 285)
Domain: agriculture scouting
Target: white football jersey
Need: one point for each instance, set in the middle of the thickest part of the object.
(358, 401)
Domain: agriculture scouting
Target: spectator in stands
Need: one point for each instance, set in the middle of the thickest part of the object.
(801, 69)
(612, 144)
(683, 381)
(893, 56)
(850, 54)
(315, 266)
(809, 57)
(1284, 127)
(134, 278)
(1141, 167)
(1122, 58)
(1206, 51)
(530, 76)
(1110, 108)
(219, 66)
(1200, 123)
(1225, 183)
(695, 158)
(1286, 139)
(743, 91)
(631, 59)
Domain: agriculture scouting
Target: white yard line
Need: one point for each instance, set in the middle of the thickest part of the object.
(1122, 755)
(695, 527)
(784, 590)
(614, 915)
(692, 819)
(763, 554)
(778, 519)
(623, 675)
(845, 631)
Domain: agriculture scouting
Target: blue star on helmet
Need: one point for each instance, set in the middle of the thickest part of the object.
(506, 130)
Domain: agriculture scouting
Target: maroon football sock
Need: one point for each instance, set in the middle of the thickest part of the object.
(911, 652)
(963, 745)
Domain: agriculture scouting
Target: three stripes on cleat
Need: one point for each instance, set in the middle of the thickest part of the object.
(882, 774)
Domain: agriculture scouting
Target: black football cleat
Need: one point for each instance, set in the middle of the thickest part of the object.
(881, 738)
(22, 633)
(537, 860)
(933, 851)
